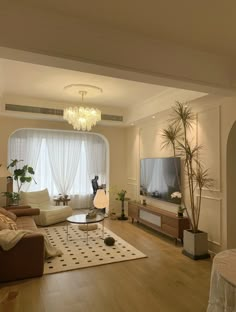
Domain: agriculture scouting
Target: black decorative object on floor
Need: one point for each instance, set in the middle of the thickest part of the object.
(109, 241)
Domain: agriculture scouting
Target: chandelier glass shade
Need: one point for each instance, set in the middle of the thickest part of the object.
(82, 118)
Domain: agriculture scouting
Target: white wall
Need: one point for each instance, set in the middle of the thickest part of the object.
(215, 117)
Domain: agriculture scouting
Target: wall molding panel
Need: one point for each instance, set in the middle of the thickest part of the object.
(211, 218)
(209, 121)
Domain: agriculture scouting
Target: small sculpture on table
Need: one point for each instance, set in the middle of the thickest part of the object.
(95, 185)
(91, 214)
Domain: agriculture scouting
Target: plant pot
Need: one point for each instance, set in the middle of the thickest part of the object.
(195, 245)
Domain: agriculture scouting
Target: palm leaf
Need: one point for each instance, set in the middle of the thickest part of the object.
(202, 178)
(182, 114)
(170, 136)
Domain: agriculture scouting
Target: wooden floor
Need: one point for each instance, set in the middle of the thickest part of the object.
(166, 281)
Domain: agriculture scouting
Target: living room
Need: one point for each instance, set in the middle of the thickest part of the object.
(215, 129)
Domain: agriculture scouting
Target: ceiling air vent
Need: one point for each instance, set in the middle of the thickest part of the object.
(51, 111)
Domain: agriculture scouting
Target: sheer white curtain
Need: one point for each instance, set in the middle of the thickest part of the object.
(64, 155)
(64, 161)
(96, 157)
(25, 145)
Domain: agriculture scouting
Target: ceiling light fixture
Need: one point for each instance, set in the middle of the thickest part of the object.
(82, 118)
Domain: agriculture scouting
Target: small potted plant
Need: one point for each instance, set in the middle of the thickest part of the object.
(121, 196)
(13, 197)
(180, 212)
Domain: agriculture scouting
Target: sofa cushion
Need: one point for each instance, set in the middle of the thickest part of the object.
(26, 223)
(37, 199)
(3, 226)
(9, 222)
(9, 214)
(52, 215)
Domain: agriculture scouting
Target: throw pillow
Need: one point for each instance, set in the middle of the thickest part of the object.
(8, 214)
(12, 224)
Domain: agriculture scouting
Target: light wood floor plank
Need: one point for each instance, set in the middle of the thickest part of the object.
(166, 281)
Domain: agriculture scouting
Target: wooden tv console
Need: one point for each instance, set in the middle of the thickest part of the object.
(158, 219)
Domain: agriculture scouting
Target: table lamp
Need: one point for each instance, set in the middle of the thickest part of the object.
(100, 200)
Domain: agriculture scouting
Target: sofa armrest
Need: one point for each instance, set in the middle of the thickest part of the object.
(19, 212)
(24, 260)
(17, 207)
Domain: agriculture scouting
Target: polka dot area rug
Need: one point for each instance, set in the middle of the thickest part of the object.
(77, 253)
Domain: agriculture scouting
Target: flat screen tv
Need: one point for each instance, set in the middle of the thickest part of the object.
(159, 178)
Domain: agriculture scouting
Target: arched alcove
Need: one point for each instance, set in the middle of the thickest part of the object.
(64, 161)
(231, 188)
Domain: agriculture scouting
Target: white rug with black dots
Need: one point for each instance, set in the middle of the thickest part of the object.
(78, 254)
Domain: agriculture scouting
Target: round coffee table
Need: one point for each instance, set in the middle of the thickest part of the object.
(81, 219)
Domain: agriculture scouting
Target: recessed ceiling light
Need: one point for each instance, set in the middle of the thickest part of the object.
(132, 124)
(153, 117)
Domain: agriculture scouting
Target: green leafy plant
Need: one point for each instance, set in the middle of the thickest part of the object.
(121, 195)
(21, 175)
(176, 136)
(13, 196)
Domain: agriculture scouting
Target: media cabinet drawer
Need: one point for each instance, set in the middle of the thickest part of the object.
(170, 221)
(170, 230)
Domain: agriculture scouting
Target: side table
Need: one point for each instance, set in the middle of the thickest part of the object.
(64, 201)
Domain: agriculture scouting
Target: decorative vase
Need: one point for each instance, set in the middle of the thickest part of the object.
(122, 217)
(195, 245)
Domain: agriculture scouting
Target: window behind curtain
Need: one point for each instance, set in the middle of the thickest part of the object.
(85, 152)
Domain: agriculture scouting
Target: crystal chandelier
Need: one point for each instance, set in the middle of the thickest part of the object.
(82, 118)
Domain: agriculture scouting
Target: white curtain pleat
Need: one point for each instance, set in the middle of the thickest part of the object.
(96, 158)
(25, 145)
(64, 156)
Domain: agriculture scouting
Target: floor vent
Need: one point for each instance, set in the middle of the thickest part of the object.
(51, 111)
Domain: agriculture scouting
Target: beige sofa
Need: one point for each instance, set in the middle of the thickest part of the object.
(26, 259)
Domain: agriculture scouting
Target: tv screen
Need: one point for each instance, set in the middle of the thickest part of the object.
(160, 177)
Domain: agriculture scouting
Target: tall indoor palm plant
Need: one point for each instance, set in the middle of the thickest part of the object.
(177, 136)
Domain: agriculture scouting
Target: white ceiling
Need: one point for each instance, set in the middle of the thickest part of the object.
(43, 82)
(37, 85)
(205, 25)
(201, 25)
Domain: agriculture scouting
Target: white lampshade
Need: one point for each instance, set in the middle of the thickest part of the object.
(100, 200)
(4, 172)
